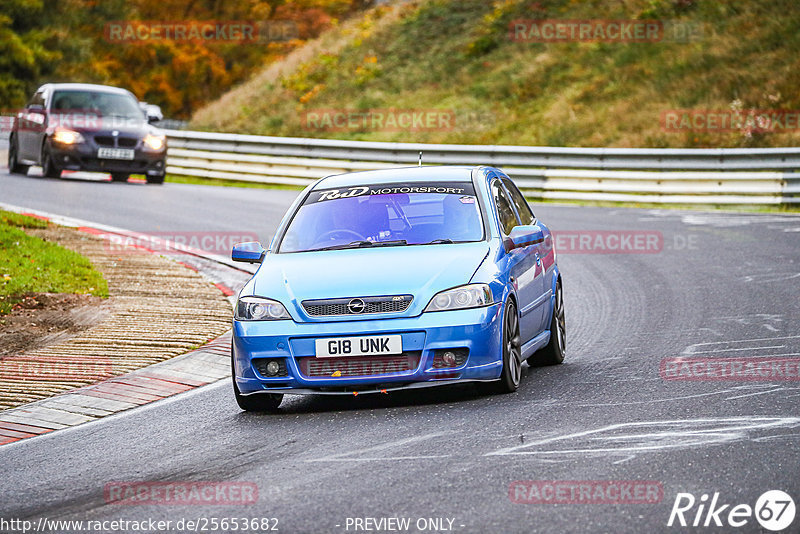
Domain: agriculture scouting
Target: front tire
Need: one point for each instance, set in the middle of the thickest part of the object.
(119, 177)
(14, 166)
(155, 179)
(553, 353)
(49, 169)
(512, 351)
(263, 402)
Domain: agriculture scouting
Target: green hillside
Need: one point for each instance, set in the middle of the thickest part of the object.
(457, 56)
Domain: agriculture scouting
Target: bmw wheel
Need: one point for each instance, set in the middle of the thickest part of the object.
(49, 169)
(14, 166)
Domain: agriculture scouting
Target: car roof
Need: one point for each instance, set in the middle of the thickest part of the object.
(84, 87)
(403, 174)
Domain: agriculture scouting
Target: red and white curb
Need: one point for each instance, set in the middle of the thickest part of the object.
(143, 386)
(194, 369)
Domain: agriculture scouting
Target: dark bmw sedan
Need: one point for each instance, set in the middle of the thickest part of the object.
(83, 127)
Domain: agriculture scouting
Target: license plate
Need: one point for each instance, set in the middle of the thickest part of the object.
(359, 346)
(115, 153)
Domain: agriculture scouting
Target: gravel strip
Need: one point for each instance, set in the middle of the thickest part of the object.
(159, 309)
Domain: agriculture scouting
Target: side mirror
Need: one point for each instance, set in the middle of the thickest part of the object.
(522, 236)
(36, 114)
(152, 112)
(154, 115)
(250, 252)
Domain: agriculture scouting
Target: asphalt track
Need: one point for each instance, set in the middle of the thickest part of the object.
(719, 285)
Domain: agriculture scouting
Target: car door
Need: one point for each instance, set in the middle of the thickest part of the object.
(520, 263)
(533, 314)
(32, 123)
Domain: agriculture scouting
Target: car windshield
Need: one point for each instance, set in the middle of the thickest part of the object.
(385, 215)
(97, 103)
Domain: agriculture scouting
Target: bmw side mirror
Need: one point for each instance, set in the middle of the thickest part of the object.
(152, 112)
(250, 252)
(523, 236)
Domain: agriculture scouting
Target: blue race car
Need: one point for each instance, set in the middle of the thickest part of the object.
(396, 279)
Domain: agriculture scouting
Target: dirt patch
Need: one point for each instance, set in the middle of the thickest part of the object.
(44, 319)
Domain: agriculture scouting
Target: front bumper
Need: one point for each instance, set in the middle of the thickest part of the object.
(476, 330)
(83, 157)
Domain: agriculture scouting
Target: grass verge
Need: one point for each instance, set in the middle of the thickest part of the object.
(29, 264)
(194, 180)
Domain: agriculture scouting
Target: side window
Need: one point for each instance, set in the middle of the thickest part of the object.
(37, 99)
(504, 210)
(525, 214)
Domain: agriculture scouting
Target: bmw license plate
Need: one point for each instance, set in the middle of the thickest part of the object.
(359, 346)
(115, 153)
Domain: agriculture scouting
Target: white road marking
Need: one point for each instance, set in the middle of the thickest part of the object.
(739, 349)
(666, 399)
(651, 436)
(348, 456)
(760, 393)
(692, 349)
(771, 277)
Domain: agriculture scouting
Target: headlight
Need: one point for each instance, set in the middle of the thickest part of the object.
(260, 309)
(67, 137)
(470, 296)
(154, 142)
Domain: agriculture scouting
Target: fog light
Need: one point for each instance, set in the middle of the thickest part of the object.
(449, 358)
(273, 368)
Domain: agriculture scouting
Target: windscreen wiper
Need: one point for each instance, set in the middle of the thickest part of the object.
(444, 241)
(366, 244)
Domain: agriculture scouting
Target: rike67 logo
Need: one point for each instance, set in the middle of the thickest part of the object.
(774, 510)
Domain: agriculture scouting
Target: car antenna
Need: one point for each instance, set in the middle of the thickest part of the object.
(420, 158)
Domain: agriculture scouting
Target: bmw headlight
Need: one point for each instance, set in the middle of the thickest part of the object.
(154, 142)
(260, 309)
(65, 136)
(459, 298)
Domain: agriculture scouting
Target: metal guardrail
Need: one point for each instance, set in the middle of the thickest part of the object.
(686, 176)
(692, 176)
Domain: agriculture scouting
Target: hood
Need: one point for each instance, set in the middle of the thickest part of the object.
(421, 271)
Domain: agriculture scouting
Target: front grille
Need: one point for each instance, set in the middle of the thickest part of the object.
(127, 142)
(359, 366)
(347, 306)
(110, 141)
(104, 140)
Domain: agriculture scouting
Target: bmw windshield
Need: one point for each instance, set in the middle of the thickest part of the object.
(102, 104)
(385, 215)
